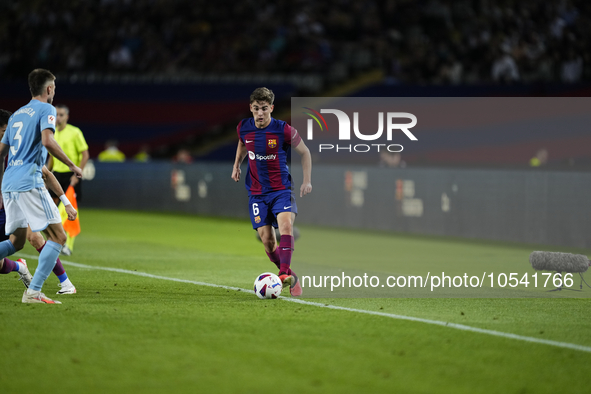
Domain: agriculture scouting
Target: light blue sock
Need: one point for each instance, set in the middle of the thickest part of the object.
(47, 260)
(6, 249)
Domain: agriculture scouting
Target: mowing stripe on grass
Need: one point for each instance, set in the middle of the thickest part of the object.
(341, 308)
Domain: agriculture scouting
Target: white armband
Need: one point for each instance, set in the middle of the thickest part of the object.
(65, 200)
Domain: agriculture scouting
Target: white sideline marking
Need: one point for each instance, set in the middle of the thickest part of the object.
(341, 308)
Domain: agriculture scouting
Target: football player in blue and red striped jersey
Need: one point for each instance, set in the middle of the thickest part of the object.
(266, 141)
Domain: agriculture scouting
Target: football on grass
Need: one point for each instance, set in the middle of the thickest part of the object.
(267, 285)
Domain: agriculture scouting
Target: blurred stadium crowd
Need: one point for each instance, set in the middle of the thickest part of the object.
(413, 41)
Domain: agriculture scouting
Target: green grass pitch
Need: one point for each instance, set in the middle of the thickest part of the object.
(125, 333)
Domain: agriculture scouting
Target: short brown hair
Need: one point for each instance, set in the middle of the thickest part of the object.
(262, 94)
(38, 79)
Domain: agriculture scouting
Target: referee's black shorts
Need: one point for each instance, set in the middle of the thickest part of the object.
(64, 180)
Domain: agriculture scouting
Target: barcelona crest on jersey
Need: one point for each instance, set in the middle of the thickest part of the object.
(272, 143)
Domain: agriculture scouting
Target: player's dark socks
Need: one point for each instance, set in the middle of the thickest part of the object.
(274, 257)
(59, 269)
(9, 266)
(285, 252)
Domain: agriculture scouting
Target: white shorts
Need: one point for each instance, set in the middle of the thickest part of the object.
(34, 208)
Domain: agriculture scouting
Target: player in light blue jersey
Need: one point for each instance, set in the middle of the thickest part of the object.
(28, 138)
(35, 239)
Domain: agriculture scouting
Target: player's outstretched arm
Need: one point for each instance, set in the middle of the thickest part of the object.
(52, 183)
(303, 151)
(56, 151)
(240, 155)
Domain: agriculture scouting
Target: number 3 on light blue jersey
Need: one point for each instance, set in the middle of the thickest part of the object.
(17, 136)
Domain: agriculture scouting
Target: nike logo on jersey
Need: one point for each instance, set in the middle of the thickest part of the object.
(286, 249)
(248, 142)
(287, 207)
